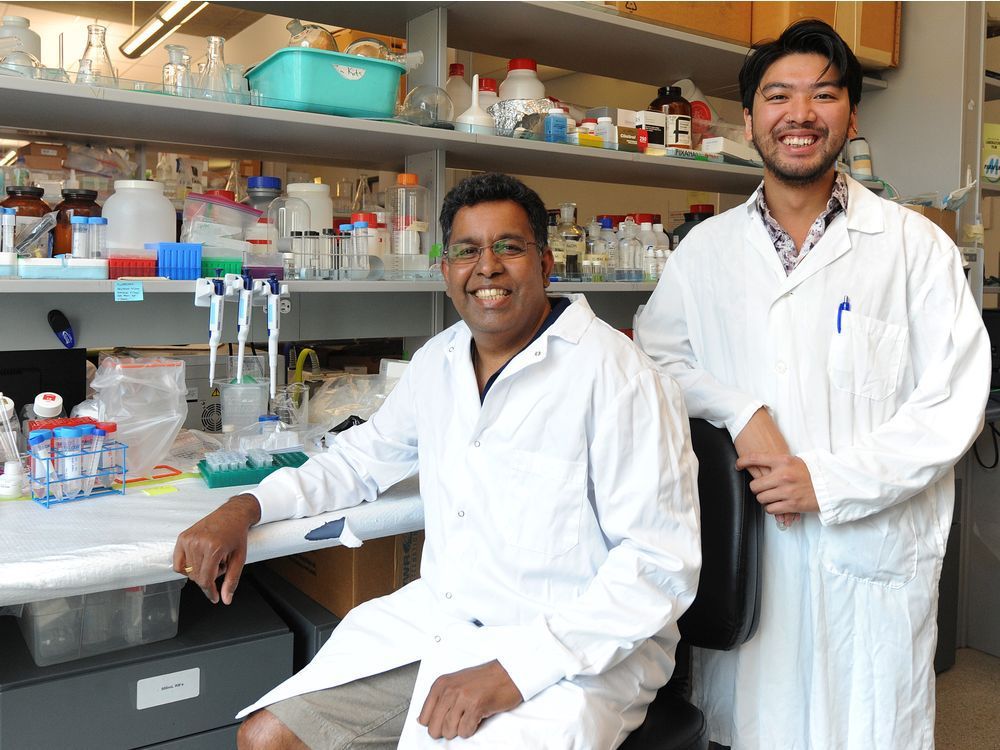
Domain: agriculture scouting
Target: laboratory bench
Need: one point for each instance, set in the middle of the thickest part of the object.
(114, 541)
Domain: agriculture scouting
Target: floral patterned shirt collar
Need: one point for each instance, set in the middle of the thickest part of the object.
(789, 255)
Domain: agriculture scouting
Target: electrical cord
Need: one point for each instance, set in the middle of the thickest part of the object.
(994, 433)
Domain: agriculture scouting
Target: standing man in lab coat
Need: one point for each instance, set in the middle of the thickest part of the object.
(560, 508)
(834, 335)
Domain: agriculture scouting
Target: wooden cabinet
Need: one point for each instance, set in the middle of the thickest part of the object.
(871, 29)
(720, 20)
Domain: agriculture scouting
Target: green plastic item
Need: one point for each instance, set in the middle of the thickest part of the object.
(250, 475)
(228, 265)
(331, 83)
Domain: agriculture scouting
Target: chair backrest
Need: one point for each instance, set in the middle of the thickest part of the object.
(727, 606)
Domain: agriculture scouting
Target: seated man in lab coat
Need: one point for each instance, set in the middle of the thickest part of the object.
(833, 333)
(560, 508)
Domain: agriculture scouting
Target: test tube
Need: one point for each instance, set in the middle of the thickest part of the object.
(87, 450)
(80, 247)
(326, 253)
(345, 245)
(8, 218)
(360, 245)
(108, 458)
(97, 227)
(69, 459)
(311, 242)
(297, 243)
(42, 474)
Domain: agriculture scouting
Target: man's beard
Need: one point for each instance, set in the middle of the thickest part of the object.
(799, 179)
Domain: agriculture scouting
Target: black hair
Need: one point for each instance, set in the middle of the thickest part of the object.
(494, 186)
(805, 36)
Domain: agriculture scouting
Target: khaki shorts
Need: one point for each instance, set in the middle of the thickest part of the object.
(367, 713)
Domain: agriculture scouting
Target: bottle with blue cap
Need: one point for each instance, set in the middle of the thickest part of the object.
(40, 448)
(261, 191)
(69, 460)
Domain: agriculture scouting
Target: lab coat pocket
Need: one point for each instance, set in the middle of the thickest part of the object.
(879, 549)
(864, 357)
(541, 511)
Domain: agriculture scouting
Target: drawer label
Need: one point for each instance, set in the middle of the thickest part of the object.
(167, 688)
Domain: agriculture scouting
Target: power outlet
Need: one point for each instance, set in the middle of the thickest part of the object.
(284, 306)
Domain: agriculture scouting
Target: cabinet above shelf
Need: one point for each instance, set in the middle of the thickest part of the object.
(34, 109)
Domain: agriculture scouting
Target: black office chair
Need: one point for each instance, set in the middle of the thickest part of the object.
(727, 606)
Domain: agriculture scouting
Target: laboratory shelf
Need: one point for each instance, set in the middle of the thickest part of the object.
(181, 124)
(578, 36)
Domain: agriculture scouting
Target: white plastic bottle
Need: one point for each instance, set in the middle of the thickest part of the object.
(649, 240)
(607, 132)
(138, 213)
(488, 92)
(317, 198)
(522, 80)
(18, 26)
(459, 91)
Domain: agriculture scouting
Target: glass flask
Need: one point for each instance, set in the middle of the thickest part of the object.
(96, 53)
(176, 76)
(213, 83)
(239, 86)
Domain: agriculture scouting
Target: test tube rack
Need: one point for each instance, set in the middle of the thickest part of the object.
(49, 488)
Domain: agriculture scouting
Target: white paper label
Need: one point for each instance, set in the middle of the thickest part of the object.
(167, 688)
(350, 72)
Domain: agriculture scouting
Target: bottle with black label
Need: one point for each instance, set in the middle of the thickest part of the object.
(677, 110)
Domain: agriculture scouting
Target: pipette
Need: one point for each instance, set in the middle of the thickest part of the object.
(274, 291)
(244, 285)
(215, 308)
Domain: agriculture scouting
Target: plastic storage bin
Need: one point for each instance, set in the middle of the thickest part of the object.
(332, 83)
(63, 267)
(58, 630)
(131, 262)
(178, 260)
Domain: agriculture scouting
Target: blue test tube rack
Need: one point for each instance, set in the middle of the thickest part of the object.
(109, 476)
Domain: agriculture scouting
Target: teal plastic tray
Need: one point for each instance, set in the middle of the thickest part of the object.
(250, 475)
(332, 83)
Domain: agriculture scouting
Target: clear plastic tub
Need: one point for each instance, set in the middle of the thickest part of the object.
(59, 630)
(332, 83)
(63, 267)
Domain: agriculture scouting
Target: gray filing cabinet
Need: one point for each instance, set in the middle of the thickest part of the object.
(180, 693)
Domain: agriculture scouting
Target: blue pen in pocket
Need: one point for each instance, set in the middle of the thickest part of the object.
(844, 306)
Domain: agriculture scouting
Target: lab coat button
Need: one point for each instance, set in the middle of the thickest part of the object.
(451, 348)
(476, 444)
(461, 514)
(437, 639)
(538, 353)
(781, 368)
(447, 595)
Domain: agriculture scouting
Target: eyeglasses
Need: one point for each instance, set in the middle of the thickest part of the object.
(465, 252)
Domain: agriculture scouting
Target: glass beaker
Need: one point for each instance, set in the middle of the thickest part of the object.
(286, 216)
(239, 86)
(213, 83)
(84, 75)
(97, 53)
(243, 403)
(175, 71)
(291, 404)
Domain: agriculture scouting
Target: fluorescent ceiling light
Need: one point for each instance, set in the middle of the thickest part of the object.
(8, 158)
(167, 19)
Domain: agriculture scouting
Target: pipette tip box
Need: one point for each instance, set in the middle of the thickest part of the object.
(248, 474)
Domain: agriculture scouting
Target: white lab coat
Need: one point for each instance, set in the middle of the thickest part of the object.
(561, 514)
(880, 413)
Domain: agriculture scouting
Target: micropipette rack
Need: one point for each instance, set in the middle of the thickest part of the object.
(43, 486)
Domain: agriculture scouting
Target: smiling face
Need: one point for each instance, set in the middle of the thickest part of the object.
(502, 302)
(801, 119)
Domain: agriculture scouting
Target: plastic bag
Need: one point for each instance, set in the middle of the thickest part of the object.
(343, 396)
(146, 398)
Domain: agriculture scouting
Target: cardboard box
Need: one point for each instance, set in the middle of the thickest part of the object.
(340, 578)
(654, 123)
(632, 139)
(40, 162)
(43, 149)
(942, 217)
(990, 162)
(728, 21)
(620, 117)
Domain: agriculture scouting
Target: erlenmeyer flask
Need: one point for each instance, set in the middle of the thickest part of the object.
(213, 83)
(97, 53)
(175, 71)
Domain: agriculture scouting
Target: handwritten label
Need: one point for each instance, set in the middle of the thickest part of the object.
(128, 291)
(349, 72)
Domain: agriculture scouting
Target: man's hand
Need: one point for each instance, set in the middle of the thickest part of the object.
(761, 435)
(458, 702)
(217, 545)
(785, 487)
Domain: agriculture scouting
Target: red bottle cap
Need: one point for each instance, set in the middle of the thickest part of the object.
(702, 208)
(456, 69)
(522, 63)
(488, 84)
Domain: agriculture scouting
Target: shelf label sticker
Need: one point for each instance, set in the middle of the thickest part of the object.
(167, 688)
(128, 291)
